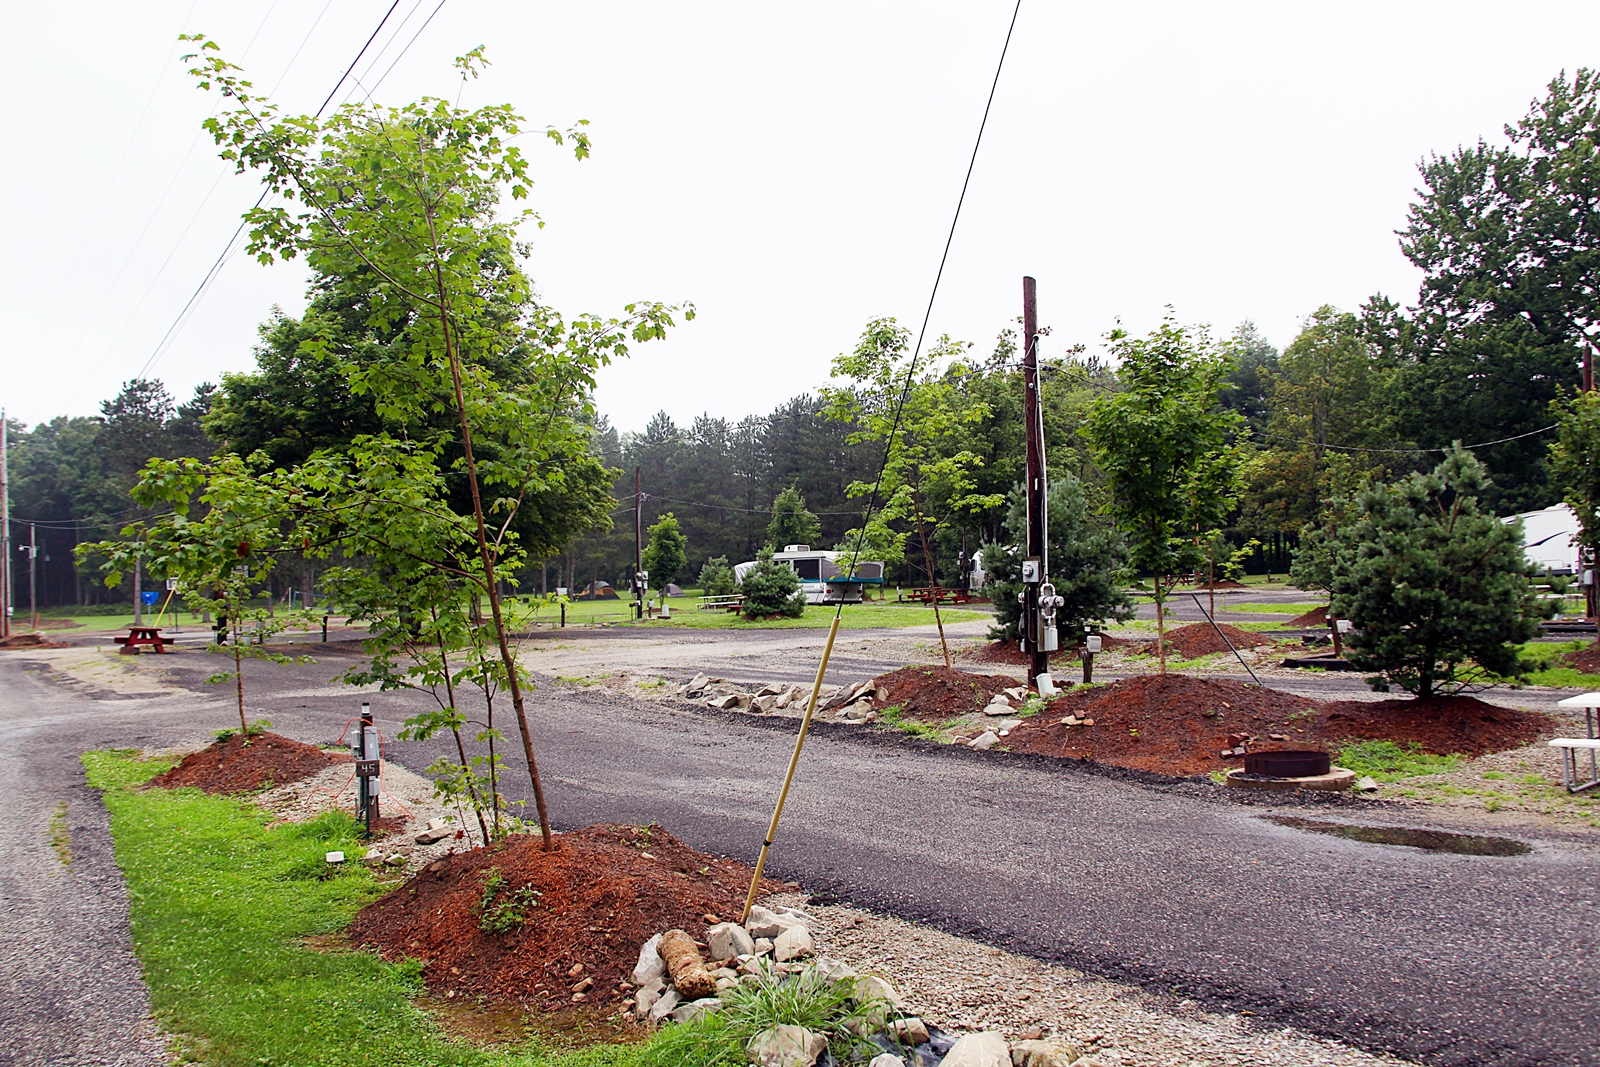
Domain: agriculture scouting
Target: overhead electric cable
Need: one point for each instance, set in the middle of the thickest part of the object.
(227, 249)
(1407, 451)
(888, 452)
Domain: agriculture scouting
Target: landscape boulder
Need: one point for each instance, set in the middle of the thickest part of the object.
(983, 1049)
(651, 967)
(984, 741)
(1044, 1053)
(763, 922)
(792, 944)
(727, 940)
(786, 1046)
(909, 1031)
(664, 1005)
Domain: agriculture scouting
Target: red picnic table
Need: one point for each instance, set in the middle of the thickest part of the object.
(924, 595)
(143, 635)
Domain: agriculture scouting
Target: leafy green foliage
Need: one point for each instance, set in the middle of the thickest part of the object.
(1162, 442)
(1438, 589)
(772, 590)
(1086, 561)
(500, 909)
(791, 523)
(666, 554)
(716, 577)
(810, 999)
(1575, 460)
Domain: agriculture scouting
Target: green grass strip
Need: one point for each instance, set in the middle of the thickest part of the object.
(1387, 761)
(219, 904)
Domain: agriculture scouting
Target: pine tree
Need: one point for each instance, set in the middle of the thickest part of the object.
(791, 523)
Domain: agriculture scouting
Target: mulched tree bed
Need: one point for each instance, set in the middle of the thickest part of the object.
(1179, 724)
(1007, 651)
(1585, 659)
(603, 892)
(235, 766)
(1201, 639)
(940, 692)
(1314, 617)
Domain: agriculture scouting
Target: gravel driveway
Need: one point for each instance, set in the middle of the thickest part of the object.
(1445, 958)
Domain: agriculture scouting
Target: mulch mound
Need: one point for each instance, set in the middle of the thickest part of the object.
(1202, 639)
(1007, 651)
(1586, 660)
(1314, 617)
(233, 766)
(19, 641)
(603, 892)
(941, 692)
(1179, 724)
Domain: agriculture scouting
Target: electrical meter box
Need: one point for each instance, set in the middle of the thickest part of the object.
(1093, 643)
(1032, 571)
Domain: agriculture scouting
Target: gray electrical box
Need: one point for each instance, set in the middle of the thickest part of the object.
(1032, 571)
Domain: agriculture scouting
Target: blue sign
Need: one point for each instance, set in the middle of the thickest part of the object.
(150, 598)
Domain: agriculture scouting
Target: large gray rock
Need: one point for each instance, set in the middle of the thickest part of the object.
(645, 997)
(435, 834)
(870, 987)
(726, 940)
(763, 922)
(664, 1005)
(684, 1013)
(786, 1046)
(983, 1049)
(887, 1059)
(771, 689)
(912, 1031)
(763, 705)
(792, 944)
(1047, 1053)
(651, 967)
(984, 741)
(696, 686)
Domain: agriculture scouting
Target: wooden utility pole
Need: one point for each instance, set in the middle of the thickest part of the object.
(1035, 551)
(33, 571)
(638, 545)
(5, 532)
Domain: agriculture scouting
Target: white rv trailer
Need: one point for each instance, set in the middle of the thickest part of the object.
(1550, 538)
(822, 579)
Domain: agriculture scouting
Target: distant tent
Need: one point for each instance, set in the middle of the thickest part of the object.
(673, 590)
(598, 590)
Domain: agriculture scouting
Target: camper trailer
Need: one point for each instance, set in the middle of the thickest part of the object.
(823, 580)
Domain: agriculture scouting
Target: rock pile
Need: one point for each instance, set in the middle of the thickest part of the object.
(856, 703)
(675, 983)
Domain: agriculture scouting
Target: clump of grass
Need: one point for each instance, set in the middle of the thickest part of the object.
(811, 999)
(61, 835)
(894, 716)
(1388, 761)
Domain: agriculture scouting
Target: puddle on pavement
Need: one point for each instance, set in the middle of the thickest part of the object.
(1429, 840)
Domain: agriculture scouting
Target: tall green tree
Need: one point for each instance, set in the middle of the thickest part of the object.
(666, 554)
(1575, 460)
(404, 205)
(1163, 443)
(1437, 587)
(791, 523)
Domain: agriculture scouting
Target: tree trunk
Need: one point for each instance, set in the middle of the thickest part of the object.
(1161, 629)
(933, 586)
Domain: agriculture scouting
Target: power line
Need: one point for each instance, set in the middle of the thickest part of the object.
(1406, 451)
(227, 249)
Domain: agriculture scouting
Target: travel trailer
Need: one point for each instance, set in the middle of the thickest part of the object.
(1550, 538)
(823, 580)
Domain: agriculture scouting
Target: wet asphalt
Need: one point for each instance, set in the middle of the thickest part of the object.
(1444, 958)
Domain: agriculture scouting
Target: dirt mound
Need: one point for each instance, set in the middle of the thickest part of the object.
(586, 908)
(1179, 724)
(1314, 617)
(1008, 652)
(1202, 639)
(940, 692)
(1441, 725)
(234, 766)
(1586, 660)
(58, 624)
(17, 641)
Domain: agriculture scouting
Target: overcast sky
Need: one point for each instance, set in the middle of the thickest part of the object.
(791, 169)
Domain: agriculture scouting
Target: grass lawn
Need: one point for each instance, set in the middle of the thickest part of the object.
(1549, 670)
(221, 904)
(1271, 609)
(820, 617)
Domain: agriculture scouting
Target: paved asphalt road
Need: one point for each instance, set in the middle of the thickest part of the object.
(1445, 958)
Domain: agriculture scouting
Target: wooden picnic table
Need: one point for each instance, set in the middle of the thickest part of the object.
(939, 594)
(143, 635)
(721, 603)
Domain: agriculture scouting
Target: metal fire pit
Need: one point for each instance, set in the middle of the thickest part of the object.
(1287, 763)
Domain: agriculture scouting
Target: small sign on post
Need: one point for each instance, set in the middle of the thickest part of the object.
(367, 768)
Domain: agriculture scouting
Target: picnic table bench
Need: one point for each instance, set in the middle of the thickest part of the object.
(939, 594)
(1569, 747)
(143, 635)
(730, 603)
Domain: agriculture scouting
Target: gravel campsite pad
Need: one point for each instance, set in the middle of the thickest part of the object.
(240, 764)
(585, 907)
(1178, 724)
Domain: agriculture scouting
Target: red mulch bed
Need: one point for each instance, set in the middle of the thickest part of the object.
(1179, 724)
(604, 891)
(1202, 639)
(232, 766)
(1586, 660)
(1314, 617)
(941, 692)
